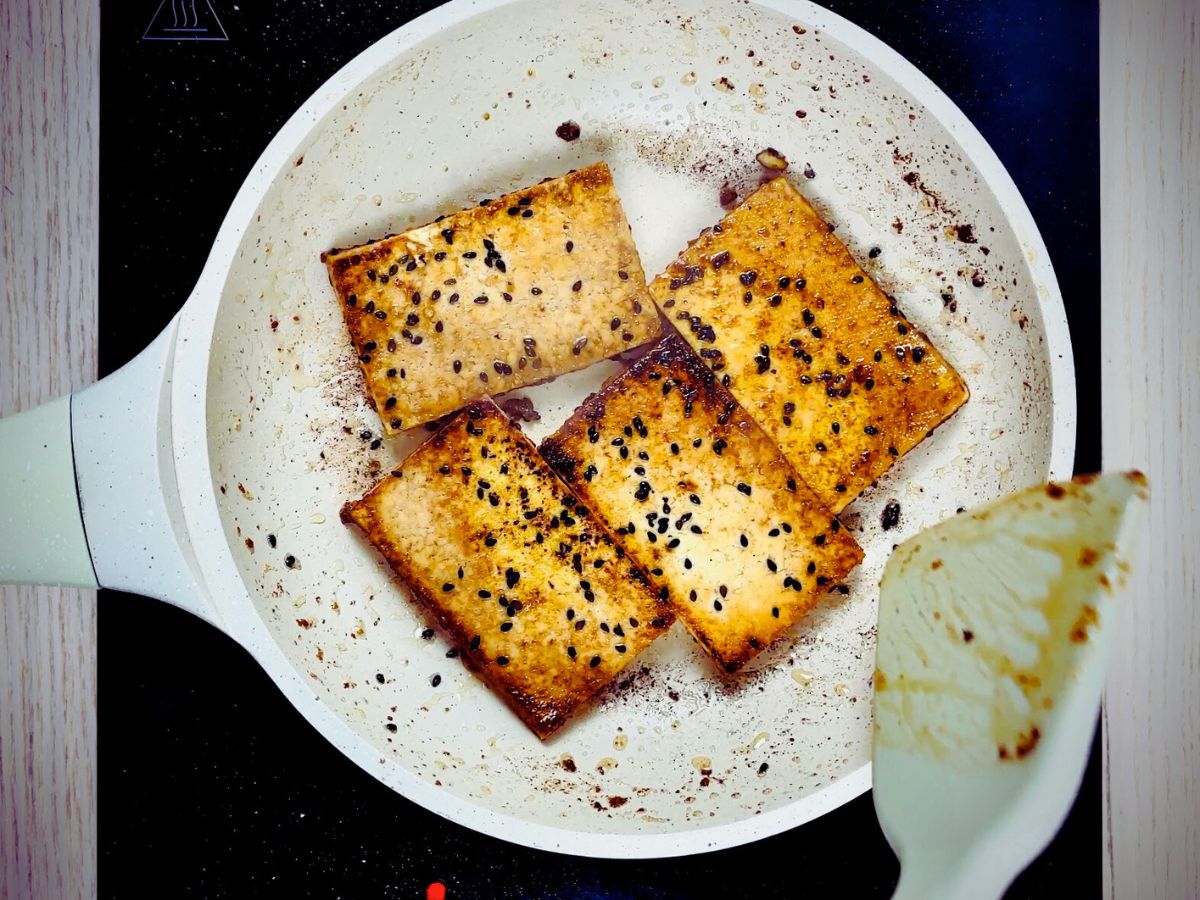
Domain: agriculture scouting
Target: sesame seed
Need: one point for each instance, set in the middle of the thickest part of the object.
(502, 660)
(594, 661)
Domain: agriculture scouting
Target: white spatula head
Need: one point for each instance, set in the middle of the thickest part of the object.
(994, 629)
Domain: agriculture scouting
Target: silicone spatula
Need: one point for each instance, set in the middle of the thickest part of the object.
(994, 630)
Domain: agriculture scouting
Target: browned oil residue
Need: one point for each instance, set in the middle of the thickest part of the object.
(1087, 619)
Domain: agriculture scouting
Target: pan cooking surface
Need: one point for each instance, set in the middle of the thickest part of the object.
(677, 103)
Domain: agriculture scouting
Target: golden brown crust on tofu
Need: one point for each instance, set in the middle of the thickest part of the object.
(703, 500)
(537, 283)
(807, 342)
(532, 588)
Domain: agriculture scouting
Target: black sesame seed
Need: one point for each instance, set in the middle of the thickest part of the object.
(744, 541)
(502, 660)
(289, 561)
(744, 488)
(475, 642)
(391, 726)
(506, 626)
(771, 565)
(571, 652)
(526, 214)
(594, 661)
(918, 354)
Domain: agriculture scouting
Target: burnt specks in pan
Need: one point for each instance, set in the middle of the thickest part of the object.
(890, 517)
(568, 131)
(772, 160)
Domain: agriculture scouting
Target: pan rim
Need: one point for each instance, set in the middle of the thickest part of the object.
(190, 438)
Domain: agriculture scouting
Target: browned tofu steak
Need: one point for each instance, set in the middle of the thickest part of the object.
(540, 600)
(514, 291)
(702, 498)
(807, 342)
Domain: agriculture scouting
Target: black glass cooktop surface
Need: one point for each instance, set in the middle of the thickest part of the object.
(210, 783)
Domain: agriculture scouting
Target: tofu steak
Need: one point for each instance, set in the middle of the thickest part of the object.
(531, 587)
(813, 349)
(514, 291)
(704, 500)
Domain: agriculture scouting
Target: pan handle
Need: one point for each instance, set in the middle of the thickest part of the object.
(88, 490)
(41, 528)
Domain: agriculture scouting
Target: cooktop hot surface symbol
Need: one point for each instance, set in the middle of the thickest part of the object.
(185, 20)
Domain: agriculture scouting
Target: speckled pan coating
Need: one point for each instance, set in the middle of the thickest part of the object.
(540, 282)
(808, 342)
(534, 592)
(702, 498)
(408, 132)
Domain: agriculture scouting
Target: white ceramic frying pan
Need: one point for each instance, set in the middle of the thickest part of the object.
(243, 422)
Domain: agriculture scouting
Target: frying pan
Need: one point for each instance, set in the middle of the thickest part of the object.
(208, 472)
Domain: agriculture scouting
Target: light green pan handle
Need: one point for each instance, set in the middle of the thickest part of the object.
(42, 539)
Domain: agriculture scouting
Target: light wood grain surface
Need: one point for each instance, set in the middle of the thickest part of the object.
(1150, 174)
(49, 106)
(1150, 160)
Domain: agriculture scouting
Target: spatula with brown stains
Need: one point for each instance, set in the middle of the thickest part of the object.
(994, 631)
